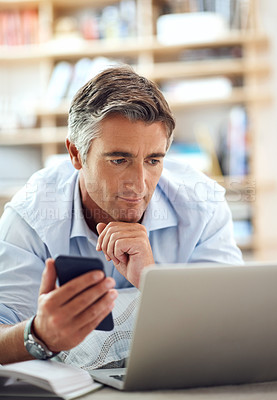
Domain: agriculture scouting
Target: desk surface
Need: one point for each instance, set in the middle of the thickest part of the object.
(261, 391)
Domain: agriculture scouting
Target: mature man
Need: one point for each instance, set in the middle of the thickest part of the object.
(114, 201)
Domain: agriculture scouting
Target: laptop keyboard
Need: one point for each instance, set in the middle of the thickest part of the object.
(119, 377)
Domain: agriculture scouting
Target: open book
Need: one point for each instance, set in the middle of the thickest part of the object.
(64, 380)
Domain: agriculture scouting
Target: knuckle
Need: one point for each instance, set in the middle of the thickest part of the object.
(45, 305)
(98, 289)
(114, 236)
(143, 228)
(83, 302)
(109, 231)
(106, 300)
(50, 298)
(68, 290)
(93, 312)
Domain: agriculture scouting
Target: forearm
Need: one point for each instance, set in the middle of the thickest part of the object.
(12, 343)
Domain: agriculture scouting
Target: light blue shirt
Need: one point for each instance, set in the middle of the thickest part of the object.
(187, 221)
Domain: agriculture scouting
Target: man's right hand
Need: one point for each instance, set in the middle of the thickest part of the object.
(67, 314)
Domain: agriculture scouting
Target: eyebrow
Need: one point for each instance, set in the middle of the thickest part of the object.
(125, 154)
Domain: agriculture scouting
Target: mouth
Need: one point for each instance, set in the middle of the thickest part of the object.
(131, 200)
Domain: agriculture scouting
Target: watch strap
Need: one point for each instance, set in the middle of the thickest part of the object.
(35, 346)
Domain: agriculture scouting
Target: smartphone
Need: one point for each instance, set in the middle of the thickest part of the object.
(70, 267)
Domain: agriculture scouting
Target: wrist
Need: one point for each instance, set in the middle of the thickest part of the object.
(35, 346)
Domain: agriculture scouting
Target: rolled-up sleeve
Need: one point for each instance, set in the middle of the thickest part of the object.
(22, 255)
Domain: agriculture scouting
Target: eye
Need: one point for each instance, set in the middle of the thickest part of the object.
(119, 161)
(153, 161)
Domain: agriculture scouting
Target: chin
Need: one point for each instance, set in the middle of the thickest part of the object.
(131, 216)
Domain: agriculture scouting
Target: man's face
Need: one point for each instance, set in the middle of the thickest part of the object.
(123, 168)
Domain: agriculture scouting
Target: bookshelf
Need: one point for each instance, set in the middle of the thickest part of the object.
(236, 55)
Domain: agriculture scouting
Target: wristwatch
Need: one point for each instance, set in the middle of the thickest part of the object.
(35, 346)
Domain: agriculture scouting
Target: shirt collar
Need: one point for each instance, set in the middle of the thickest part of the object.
(79, 226)
(159, 213)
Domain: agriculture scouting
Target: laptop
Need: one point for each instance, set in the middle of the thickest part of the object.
(201, 325)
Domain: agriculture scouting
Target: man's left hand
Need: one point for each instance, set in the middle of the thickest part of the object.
(127, 245)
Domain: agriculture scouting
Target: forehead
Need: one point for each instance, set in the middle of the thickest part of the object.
(118, 130)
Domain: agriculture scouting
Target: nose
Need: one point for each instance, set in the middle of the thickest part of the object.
(136, 179)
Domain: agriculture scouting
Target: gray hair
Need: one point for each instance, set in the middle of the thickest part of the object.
(116, 90)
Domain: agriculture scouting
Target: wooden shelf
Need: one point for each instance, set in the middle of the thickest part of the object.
(8, 4)
(206, 68)
(74, 49)
(60, 111)
(38, 136)
(238, 95)
(233, 38)
(83, 3)
(13, 4)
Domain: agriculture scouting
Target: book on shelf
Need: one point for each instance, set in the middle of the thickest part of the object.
(192, 154)
(66, 79)
(191, 20)
(118, 20)
(19, 27)
(189, 90)
(58, 84)
(84, 70)
(65, 381)
(233, 144)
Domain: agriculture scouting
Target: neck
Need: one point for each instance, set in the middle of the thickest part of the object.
(92, 213)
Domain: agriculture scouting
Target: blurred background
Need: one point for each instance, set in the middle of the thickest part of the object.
(215, 61)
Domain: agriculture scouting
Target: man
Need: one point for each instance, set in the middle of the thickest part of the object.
(113, 201)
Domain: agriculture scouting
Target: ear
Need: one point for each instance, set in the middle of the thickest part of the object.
(74, 154)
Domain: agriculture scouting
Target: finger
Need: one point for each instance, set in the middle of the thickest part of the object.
(105, 230)
(91, 326)
(108, 245)
(123, 249)
(110, 233)
(90, 296)
(77, 285)
(100, 228)
(121, 246)
(49, 276)
(114, 250)
(112, 237)
(103, 237)
(92, 317)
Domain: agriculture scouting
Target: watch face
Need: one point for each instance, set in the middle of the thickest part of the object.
(33, 345)
(36, 350)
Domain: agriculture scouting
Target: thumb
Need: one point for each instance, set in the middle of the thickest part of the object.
(49, 276)
(100, 227)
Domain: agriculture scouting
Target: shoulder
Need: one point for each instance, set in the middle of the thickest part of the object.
(47, 196)
(16, 234)
(60, 173)
(181, 182)
(45, 181)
